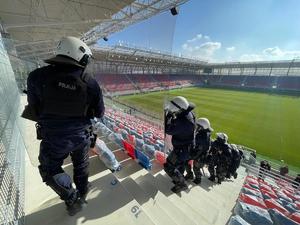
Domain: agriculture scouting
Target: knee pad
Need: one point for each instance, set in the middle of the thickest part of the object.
(178, 176)
(62, 184)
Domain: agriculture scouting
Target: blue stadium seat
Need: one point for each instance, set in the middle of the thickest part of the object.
(143, 160)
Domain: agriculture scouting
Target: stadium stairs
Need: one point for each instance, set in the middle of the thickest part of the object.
(133, 195)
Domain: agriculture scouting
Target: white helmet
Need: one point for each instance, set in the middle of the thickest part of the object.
(71, 50)
(204, 123)
(177, 104)
(222, 137)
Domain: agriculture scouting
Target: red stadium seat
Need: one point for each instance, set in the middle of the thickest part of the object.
(246, 185)
(129, 149)
(272, 204)
(289, 194)
(296, 217)
(252, 200)
(160, 157)
(272, 194)
(251, 181)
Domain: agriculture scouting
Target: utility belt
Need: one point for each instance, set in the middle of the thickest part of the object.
(180, 153)
(41, 131)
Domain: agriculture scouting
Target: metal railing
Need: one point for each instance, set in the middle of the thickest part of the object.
(271, 176)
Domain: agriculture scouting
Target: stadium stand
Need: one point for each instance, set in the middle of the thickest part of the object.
(289, 83)
(147, 82)
(114, 82)
(259, 81)
(262, 202)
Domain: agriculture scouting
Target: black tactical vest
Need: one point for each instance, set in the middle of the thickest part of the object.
(64, 93)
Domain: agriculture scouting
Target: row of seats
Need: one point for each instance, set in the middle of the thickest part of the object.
(142, 146)
(135, 124)
(281, 82)
(262, 203)
(122, 82)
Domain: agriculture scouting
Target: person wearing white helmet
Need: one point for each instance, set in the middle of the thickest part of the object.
(179, 123)
(200, 150)
(64, 99)
(220, 158)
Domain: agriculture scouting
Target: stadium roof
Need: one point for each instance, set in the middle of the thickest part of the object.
(133, 55)
(257, 64)
(36, 26)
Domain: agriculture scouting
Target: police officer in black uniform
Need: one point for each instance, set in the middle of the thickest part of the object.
(236, 155)
(220, 158)
(180, 123)
(200, 150)
(64, 99)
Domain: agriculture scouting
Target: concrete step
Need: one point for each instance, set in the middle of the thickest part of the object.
(145, 181)
(108, 203)
(217, 201)
(149, 205)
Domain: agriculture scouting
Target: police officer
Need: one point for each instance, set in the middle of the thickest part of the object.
(235, 161)
(64, 99)
(220, 158)
(200, 150)
(180, 123)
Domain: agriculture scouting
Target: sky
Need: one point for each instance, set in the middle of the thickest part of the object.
(221, 31)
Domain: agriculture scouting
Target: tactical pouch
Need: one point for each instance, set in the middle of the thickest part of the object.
(93, 140)
(38, 131)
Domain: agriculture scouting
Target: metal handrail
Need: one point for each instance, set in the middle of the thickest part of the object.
(270, 176)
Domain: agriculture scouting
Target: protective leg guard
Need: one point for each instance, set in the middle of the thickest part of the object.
(189, 175)
(197, 171)
(62, 184)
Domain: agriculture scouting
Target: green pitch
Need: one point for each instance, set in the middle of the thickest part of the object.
(267, 123)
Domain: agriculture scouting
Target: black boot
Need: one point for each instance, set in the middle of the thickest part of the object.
(235, 175)
(189, 176)
(212, 178)
(179, 187)
(197, 180)
(71, 203)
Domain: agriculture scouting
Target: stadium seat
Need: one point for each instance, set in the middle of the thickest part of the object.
(143, 160)
(160, 157)
(272, 204)
(253, 214)
(295, 217)
(281, 219)
(237, 220)
(269, 193)
(248, 186)
(252, 200)
(129, 149)
(253, 192)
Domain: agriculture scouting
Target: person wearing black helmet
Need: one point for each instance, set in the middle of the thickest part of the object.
(200, 150)
(180, 123)
(64, 98)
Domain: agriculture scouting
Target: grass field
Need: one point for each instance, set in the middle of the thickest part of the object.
(267, 123)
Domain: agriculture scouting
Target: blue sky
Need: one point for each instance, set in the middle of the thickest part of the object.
(222, 30)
